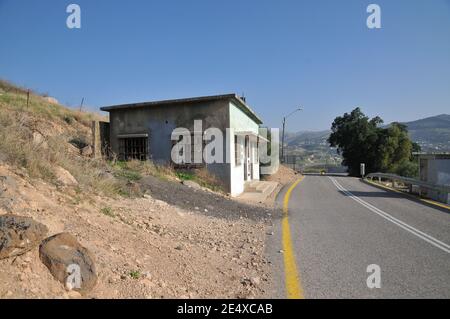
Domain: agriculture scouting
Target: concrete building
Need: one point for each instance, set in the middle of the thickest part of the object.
(435, 169)
(144, 131)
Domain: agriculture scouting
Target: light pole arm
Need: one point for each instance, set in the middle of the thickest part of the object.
(284, 125)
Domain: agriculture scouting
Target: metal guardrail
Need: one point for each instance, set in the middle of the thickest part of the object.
(410, 181)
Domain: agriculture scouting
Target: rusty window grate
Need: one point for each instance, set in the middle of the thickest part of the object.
(133, 148)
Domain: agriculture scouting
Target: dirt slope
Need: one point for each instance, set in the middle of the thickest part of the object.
(144, 248)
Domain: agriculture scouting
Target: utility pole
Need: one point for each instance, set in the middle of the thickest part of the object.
(282, 140)
(81, 105)
(284, 125)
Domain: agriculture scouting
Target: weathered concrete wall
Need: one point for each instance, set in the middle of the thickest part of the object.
(160, 121)
(436, 171)
(439, 171)
(100, 139)
(96, 140)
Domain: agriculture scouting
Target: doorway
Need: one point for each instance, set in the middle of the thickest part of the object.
(248, 163)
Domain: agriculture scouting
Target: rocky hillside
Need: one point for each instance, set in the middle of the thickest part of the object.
(59, 208)
(46, 140)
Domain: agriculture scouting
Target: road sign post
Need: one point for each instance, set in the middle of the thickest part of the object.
(362, 168)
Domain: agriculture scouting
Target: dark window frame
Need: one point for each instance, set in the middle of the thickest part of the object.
(133, 148)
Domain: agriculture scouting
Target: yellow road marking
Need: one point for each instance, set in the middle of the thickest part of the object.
(294, 288)
(429, 201)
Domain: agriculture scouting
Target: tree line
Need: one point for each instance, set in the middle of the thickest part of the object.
(360, 139)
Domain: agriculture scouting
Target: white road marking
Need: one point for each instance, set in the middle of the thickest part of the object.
(435, 242)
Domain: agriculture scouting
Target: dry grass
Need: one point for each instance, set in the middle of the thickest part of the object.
(134, 170)
(15, 98)
(18, 123)
(206, 179)
(17, 148)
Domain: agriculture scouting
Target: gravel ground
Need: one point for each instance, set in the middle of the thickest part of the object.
(204, 202)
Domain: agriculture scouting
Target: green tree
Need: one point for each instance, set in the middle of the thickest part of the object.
(361, 140)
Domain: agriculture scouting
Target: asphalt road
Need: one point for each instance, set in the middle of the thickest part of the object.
(340, 225)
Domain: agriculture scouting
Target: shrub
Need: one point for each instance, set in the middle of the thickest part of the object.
(185, 176)
(79, 142)
(135, 274)
(107, 211)
(407, 169)
(68, 119)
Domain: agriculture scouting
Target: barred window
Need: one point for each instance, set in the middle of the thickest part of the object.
(133, 148)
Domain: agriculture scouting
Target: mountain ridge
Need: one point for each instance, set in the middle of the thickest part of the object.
(431, 133)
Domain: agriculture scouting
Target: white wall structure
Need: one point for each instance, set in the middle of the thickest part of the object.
(244, 166)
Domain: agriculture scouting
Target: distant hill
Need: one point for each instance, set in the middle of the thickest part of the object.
(307, 138)
(431, 133)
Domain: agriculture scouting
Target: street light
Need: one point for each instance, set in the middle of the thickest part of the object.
(284, 124)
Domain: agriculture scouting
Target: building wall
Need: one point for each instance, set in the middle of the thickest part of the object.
(436, 171)
(160, 121)
(439, 171)
(239, 121)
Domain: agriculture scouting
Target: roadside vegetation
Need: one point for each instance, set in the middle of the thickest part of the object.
(201, 177)
(135, 170)
(383, 149)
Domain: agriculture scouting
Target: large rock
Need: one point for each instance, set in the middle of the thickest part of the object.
(191, 184)
(19, 234)
(7, 183)
(51, 100)
(69, 262)
(39, 140)
(64, 178)
(8, 187)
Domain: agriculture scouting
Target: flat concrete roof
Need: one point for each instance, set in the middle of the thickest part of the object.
(192, 100)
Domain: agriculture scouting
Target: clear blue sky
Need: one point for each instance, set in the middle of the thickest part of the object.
(281, 54)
